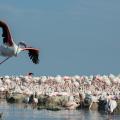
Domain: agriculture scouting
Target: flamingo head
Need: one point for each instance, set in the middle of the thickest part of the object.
(22, 44)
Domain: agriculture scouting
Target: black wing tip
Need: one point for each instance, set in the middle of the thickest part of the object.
(7, 39)
(34, 56)
(36, 61)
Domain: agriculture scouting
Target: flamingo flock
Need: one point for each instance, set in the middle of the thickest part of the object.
(94, 87)
(10, 48)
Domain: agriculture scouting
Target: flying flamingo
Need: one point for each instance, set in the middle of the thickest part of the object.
(10, 48)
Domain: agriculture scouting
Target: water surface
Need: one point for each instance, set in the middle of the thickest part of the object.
(18, 112)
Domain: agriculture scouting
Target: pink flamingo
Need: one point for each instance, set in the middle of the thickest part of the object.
(10, 48)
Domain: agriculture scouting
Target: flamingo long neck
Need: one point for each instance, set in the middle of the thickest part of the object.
(17, 50)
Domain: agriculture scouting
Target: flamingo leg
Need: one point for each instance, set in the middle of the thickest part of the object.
(4, 60)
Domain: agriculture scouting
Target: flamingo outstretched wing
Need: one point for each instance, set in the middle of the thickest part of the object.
(33, 54)
(7, 39)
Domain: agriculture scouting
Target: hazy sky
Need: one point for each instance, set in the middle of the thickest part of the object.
(74, 36)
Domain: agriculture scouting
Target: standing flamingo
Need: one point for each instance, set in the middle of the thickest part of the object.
(10, 48)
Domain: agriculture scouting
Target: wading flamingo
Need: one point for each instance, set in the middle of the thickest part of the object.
(110, 105)
(10, 48)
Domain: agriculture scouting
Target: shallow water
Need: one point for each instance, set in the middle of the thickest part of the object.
(18, 112)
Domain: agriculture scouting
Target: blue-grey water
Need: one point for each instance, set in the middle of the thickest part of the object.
(18, 112)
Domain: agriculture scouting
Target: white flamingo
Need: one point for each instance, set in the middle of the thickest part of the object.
(10, 48)
(111, 105)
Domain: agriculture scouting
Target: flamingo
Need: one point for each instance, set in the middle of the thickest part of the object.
(10, 48)
(111, 105)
